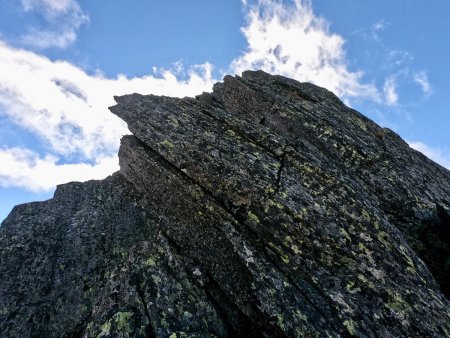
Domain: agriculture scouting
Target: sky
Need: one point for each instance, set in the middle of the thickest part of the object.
(62, 61)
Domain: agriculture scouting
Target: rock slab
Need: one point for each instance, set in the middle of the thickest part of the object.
(266, 208)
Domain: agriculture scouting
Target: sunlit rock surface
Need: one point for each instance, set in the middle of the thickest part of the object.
(266, 208)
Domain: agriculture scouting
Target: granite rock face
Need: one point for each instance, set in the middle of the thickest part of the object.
(266, 208)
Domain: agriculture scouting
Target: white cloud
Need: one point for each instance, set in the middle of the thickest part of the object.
(390, 91)
(400, 57)
(50, 7)
(290, 40)
(421, 78)
(68, 108)
(26, 169)
(380, 25)
(63, 18)
(46, 39)
(435, 154)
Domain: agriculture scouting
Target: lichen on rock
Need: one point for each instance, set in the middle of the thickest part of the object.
(266, 208)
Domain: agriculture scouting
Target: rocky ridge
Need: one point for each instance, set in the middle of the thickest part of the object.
(266, 208)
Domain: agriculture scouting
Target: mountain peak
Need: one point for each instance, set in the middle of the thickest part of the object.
(264, 208)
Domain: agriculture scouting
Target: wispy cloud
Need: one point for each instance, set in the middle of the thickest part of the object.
(436, 154)
(50, 8)
(421, 78)
(47, 39)
(62, 19)
(291, 40)
(398, 57)
(390, 91)
(392, 63)
(378, 27)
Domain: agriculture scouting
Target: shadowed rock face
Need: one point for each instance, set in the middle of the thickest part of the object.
(266, 208)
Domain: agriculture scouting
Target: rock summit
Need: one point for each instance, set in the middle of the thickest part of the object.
(266, 208)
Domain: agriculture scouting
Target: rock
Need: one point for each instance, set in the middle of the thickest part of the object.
(266, 208)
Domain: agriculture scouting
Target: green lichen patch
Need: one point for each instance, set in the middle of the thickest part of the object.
(105, 329)
(252, 217)
(122, 320)
(345, 234)
(396, 302)
(150, 261)
(167, 143)
(350, 326)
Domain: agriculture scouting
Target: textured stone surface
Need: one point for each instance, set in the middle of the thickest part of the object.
(265, 208)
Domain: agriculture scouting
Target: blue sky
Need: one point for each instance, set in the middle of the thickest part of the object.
(61, 62)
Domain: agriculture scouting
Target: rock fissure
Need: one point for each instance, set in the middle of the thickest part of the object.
(279, 172)
(149, 329)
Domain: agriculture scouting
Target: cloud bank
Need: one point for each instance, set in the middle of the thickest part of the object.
(68, 110)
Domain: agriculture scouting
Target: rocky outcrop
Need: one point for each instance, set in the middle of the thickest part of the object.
(266, 208)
